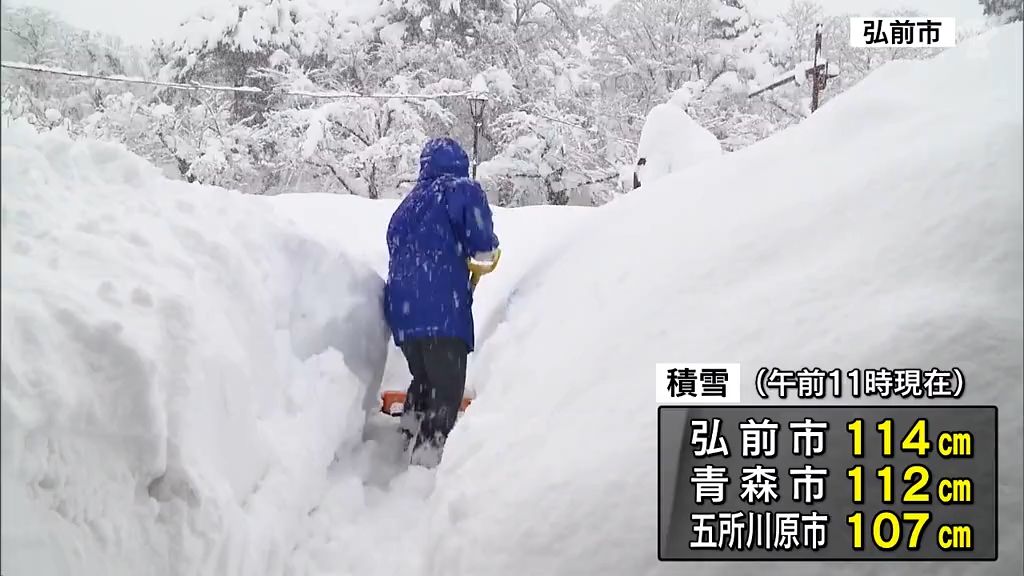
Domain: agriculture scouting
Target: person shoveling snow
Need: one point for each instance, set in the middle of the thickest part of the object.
(440, 241)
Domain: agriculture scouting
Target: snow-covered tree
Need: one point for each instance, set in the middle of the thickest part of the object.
(36, 36)
(528, 53)
(1003, 11)
(647, 49)
(235, 43)
(356, 146)
(702, 53)
(458, 21)
(568, 87)
(545, 159)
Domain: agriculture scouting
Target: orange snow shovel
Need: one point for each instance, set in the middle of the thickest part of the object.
(392, 402)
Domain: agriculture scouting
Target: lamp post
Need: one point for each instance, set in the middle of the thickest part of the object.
(477, 103)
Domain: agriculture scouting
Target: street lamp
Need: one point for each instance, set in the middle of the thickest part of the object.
(477, 103)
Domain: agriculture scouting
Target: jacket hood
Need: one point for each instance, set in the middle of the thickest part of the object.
(443, 156)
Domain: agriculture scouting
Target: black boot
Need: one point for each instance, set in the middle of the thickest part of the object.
(440, 364)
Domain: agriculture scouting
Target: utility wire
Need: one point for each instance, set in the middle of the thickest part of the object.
(254, 90)
(236, 89)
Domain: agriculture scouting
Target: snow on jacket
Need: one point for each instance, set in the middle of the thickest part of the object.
(443, 220)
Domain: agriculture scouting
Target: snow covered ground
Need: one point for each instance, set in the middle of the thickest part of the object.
(884, 231)
(184, 368)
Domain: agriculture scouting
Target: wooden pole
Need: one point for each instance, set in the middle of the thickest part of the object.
(815, 82)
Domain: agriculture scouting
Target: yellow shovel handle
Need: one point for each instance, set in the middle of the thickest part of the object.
(478, 269)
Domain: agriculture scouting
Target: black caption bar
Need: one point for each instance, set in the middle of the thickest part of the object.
(827, 483)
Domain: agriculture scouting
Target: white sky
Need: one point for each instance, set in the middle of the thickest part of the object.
(138, 21)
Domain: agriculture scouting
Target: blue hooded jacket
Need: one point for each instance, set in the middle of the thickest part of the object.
(443, 220)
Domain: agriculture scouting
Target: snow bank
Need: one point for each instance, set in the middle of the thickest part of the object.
(672, 141)
(884, 231)
(179, 368)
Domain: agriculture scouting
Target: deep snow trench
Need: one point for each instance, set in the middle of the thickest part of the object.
(182, 364)
(387, 532)
(189, 375)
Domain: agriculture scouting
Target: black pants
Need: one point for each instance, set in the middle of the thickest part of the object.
(438, 368)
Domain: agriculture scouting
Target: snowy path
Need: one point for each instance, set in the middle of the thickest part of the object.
(372, 518)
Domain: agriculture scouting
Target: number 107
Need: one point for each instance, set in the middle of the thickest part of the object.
(888, 522)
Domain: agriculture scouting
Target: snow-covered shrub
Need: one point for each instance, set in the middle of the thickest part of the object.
(672, 141)
(547, 160)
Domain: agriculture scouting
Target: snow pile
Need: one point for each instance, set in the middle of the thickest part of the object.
(884, 231)
(179, 368)
(672, 141)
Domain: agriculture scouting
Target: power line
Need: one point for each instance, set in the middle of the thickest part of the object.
(37, 68)
(236, 89)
